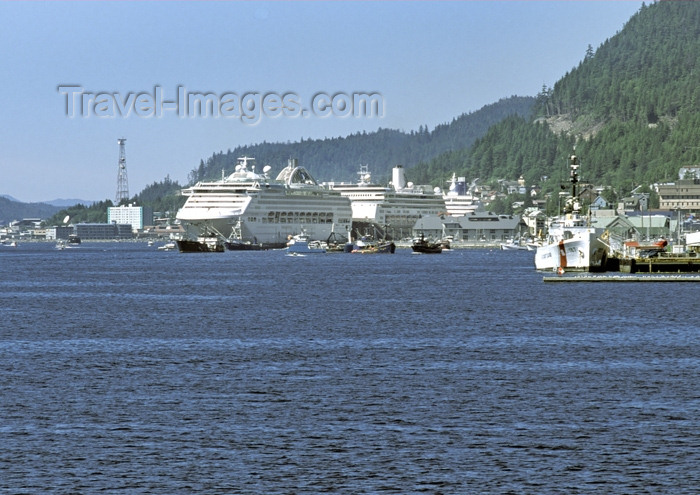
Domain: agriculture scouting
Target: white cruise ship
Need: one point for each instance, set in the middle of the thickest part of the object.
(265, 211)
(396, 207)
(458, 200)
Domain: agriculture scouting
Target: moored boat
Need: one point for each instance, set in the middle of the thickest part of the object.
(446, 243)
(203, 244)
(235, 242)
(300, 244)
(239, 245)
(513, 245)
(369, 245)
(572, 243)
(424, 246)
(168, 246)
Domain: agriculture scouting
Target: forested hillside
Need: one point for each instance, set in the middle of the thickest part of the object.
(163, 197)
(646, 72)
(643, 86)
(94, 213)
(630, 107)
(339, 158)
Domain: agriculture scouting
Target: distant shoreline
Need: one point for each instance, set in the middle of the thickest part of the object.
(399, 244)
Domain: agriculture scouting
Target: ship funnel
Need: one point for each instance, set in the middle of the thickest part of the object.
(293, 162)
(461, 186)
(398, 178)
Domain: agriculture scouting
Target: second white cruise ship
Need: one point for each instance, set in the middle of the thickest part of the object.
(396, 207)
(255, 208)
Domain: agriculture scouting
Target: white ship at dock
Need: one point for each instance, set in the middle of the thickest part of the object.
(572, 244)
(396, 206)
(261, 210)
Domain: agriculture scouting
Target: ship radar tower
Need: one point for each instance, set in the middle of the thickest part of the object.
(122, 181)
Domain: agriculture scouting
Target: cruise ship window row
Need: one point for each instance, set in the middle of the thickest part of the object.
(296, 217)
(207, 201)
(219, 191)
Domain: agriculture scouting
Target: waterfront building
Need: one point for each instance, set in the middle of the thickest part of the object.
(477, 227)
(59, 232)
(136, 216)
(651, 227)
(94, 231)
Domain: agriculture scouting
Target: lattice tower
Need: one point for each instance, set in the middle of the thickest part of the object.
(122, 181)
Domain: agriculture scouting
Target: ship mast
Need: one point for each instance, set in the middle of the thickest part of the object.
(573, 160)
(572, 205)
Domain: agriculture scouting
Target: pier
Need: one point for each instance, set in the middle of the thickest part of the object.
(622, 278)
(664, 263)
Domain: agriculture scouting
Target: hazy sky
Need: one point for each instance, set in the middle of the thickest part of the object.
(76, 76)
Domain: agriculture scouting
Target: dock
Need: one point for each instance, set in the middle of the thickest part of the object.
(633, 277)
(663, 263)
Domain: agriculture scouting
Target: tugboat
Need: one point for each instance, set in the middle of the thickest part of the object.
(73, 240)
(208, 244)
(426, 247)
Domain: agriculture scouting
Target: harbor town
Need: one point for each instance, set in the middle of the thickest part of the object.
(637, 237)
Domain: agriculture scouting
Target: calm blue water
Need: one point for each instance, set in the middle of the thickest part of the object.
(128, 370)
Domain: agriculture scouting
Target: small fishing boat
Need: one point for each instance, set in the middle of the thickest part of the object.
(513, 245)
(369, 245)
(170, 246)
(300, 244)
(423, 246)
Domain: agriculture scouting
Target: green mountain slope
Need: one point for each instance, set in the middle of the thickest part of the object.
(630, 108)
(339, 158)
(646, 72)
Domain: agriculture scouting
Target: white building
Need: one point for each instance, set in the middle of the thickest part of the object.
(136, 216)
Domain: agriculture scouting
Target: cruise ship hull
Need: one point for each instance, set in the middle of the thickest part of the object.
(584, 252)
(250, 207)
(274, 233)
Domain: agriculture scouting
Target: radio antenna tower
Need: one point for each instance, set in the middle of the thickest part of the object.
(122, 181)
